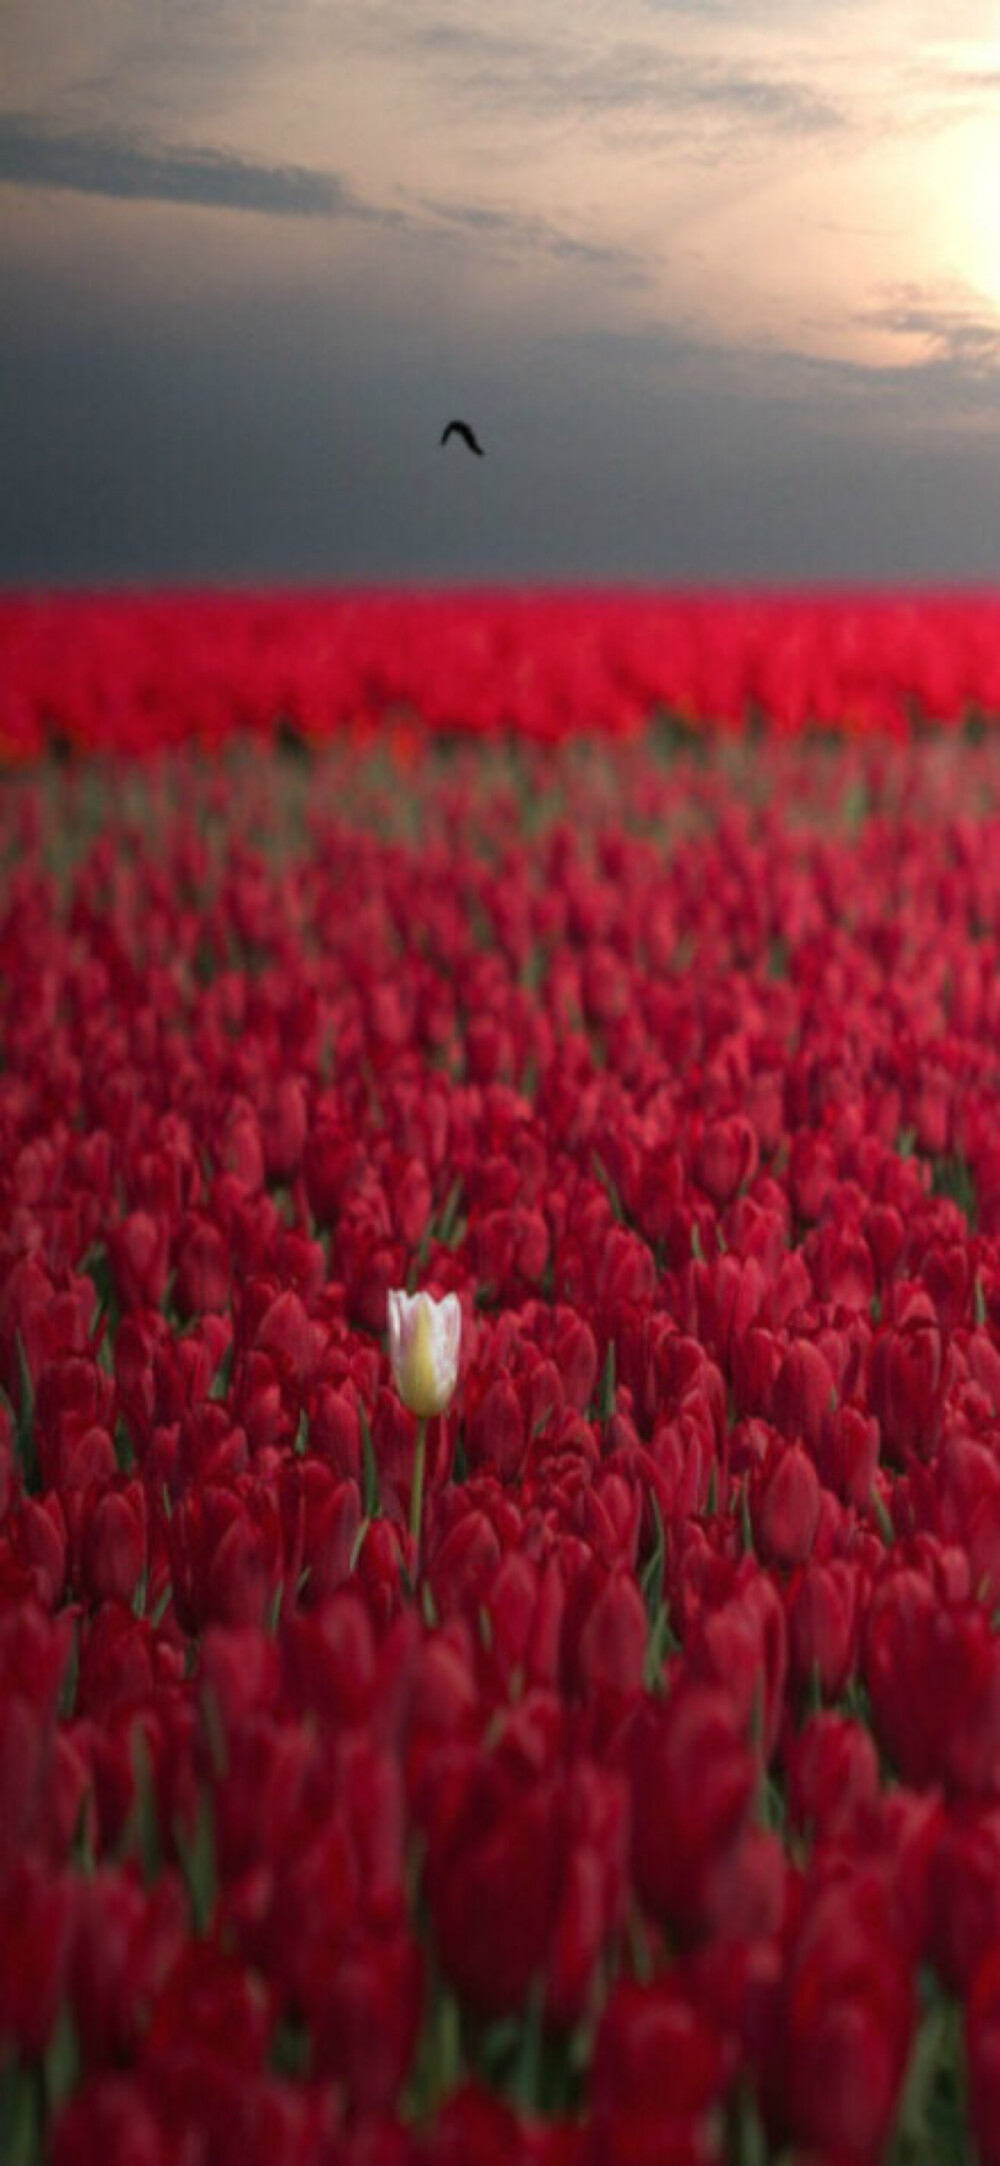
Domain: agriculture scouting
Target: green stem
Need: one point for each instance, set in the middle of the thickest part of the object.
(417, 1492)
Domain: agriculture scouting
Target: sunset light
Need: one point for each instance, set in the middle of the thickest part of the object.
(666, 252)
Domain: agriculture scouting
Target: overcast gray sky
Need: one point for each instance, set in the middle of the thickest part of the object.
(717, 282)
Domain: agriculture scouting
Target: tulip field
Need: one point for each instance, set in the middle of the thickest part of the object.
(500, 1381)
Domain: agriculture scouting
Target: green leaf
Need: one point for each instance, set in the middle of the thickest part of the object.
(881, 1515)
(81, 1848)
(70, 1677)
(160, 1606)
(952, 1177)
(215, 1732)
(95, 1265)
(651, 1579)
(932, 2117)
(124, 1453)
(746, 1524)
(290, 2052)
(449, 1213)
(142, 1833)
(771, 1813)
(301, 1435)
(777, 958)
(606, 1387)
(746, 2137)
(371, 1497)
(61, 2068)
(535, 966)
(855, 1702)
(499, 2046)
(660, 1643)
(438, 2063)
(223, 1376)
(601, 1174)
(20, 2115)
(854, 806)
(25, 1454)
(525, 2080)
(639, 1946)
(196, 1853)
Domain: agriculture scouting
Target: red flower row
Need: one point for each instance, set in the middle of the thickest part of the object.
(650, 1809)
(136, 673)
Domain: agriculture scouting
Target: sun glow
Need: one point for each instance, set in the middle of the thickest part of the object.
(976, 195)
(962, 120)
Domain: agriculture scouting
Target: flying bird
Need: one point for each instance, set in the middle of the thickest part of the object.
(461, 428)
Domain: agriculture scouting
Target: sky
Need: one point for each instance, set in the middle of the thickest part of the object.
(717, 283)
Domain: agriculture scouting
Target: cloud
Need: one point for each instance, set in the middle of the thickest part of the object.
(897, 409)
(106, 163)
(159, 66)
(788, 108)
(643, 79)
(534, 75)
(958, 332)
(509, 229)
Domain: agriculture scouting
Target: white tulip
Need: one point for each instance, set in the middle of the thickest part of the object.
(424, 1340)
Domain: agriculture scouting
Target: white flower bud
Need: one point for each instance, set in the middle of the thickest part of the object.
(424, 1340)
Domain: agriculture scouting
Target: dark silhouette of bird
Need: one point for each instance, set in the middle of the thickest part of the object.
(462, 429)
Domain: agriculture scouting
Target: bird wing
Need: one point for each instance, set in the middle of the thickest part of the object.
(461, 428)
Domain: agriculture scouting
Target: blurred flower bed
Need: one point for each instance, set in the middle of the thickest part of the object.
(136, 672)
(634, 1794)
